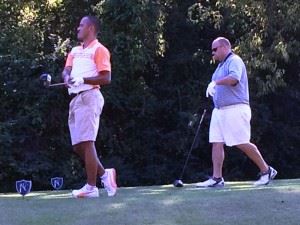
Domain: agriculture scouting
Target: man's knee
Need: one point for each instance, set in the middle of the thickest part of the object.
(247, 147)
(77, 148)
(83, 145)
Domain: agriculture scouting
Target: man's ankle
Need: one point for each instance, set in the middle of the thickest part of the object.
(90, 186)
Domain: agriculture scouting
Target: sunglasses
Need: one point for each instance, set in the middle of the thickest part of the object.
(215, 49)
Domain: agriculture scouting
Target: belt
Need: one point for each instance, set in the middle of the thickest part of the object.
(231, 106)
(73, 95)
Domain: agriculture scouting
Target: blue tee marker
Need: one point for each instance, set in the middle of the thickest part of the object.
(23, 187)
(57, 182)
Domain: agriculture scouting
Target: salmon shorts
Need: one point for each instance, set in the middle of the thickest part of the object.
(230, 125)
(84, 116)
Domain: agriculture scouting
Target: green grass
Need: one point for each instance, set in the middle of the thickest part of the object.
(239, 203)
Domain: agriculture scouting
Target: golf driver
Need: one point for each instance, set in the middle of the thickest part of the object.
(45, 80)
(179, 183)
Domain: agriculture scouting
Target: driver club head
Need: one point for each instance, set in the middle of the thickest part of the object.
(45, 79)
(178, 183)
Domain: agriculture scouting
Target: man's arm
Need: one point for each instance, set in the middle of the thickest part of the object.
(235, 71)
(66, 75)
(103, 78)
(228, 80)
(66, 72)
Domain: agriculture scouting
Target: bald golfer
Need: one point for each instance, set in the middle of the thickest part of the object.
(87, 68)
(230, 121)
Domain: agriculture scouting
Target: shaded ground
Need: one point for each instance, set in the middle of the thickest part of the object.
(238, 203)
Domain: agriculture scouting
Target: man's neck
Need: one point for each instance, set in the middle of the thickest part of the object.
(88, 41)
(226, 56)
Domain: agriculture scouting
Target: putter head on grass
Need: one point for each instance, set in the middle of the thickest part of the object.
(178, 183)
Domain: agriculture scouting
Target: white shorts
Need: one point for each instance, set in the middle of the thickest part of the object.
(230, 125)
(84, 116)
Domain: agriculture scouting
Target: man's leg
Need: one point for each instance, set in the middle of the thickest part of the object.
(108, 177)
(88, 154)
(267, 173)
(216, 137)
(91, 162)
(253, 153)
(217, 159)
(81, 153)
(100, 168)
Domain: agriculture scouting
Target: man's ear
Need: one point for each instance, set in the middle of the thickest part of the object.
(92, 28)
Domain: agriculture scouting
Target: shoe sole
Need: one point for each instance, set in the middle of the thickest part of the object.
(218, 185)
(211, 187)
(84, 195)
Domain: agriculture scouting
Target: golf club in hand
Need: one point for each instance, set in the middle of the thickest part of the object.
(45, 80)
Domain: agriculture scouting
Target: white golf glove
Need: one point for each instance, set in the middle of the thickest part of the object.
(210, 91)
(76, 81)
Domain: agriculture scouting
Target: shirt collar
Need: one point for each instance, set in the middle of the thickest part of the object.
(229, 54)
(91, 44)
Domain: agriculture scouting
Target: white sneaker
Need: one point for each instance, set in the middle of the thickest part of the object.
(266, 177)
(85, 193)
(212, 182)
(109, 182)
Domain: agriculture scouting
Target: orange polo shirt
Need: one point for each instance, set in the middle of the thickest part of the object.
(88, 62)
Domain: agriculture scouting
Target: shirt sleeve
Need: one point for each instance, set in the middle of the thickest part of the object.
(235, 68)
(70, 58)
(102, 59)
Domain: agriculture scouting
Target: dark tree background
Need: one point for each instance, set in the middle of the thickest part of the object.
(161, 66)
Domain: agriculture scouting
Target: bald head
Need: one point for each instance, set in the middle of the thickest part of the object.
(223, 42)
(221, 47)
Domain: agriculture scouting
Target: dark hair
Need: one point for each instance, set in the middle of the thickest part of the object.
(93, 20)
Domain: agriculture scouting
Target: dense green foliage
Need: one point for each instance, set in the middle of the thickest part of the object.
(161, 65)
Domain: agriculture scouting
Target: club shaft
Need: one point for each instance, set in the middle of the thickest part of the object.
(57, 84)
(193, 144)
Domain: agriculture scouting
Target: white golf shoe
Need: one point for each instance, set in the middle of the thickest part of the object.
(266, 177)
(211, 182)
(85, 192)
(109, 181)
